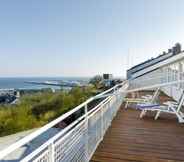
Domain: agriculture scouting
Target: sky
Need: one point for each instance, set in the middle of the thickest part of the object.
(85, 37)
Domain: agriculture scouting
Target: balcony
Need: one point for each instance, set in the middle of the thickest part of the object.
(142, 140)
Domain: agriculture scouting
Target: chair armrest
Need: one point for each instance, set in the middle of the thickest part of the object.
(147, 96)
(170, 103)
(133, 99)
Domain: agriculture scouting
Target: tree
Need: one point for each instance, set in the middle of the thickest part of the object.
(97, 81)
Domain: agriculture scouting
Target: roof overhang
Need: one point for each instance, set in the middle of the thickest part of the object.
(158, 65)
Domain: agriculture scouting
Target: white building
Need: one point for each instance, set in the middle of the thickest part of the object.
(162, 69)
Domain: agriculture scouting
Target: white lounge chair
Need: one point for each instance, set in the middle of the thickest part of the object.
(143, 99)
(167, 107)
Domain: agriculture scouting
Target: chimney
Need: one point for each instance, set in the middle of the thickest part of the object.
(177, 48)
(169, 50)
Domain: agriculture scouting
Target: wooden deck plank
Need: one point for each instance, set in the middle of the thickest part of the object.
(131, 139)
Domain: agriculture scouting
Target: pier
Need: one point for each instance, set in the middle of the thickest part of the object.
(57, 83)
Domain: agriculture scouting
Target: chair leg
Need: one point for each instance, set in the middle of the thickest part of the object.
(182, 115)
(126, 106)
(143, 113)
(157, 115)
(180, 118)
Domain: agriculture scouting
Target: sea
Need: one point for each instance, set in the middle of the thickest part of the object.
(21, 82)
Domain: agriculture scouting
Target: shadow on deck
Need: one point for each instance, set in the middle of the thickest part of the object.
(131, 139)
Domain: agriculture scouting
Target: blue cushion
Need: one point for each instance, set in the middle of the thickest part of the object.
(147, 106)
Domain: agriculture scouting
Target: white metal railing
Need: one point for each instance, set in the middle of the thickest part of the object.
(158, 78)
(79, 140)
(167, 71)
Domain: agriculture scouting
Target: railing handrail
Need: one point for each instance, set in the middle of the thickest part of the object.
(154, 86)
(41, 130)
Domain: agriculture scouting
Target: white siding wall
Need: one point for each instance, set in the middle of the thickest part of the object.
(168, 73)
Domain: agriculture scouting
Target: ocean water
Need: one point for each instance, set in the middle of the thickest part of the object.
(20, 83)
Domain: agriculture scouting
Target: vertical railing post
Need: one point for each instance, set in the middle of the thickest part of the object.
(115, 103)
(180, 74)
(102, 124)
(86, 123)
(51, 152)
(109, 115)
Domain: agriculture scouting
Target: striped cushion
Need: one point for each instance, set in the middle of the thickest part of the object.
(144, 106)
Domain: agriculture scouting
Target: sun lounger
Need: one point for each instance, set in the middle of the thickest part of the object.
(167, 107)
(143, 99)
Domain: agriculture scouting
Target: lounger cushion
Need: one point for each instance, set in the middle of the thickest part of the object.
(145, 106)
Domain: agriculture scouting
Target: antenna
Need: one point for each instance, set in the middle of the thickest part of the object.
(128, 60)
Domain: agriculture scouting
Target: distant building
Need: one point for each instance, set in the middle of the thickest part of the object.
(108, 80)
(9, 96)
(107, 76)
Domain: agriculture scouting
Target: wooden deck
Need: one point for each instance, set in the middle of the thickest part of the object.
(131, 139)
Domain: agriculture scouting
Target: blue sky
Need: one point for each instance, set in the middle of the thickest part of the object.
(85, 37)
